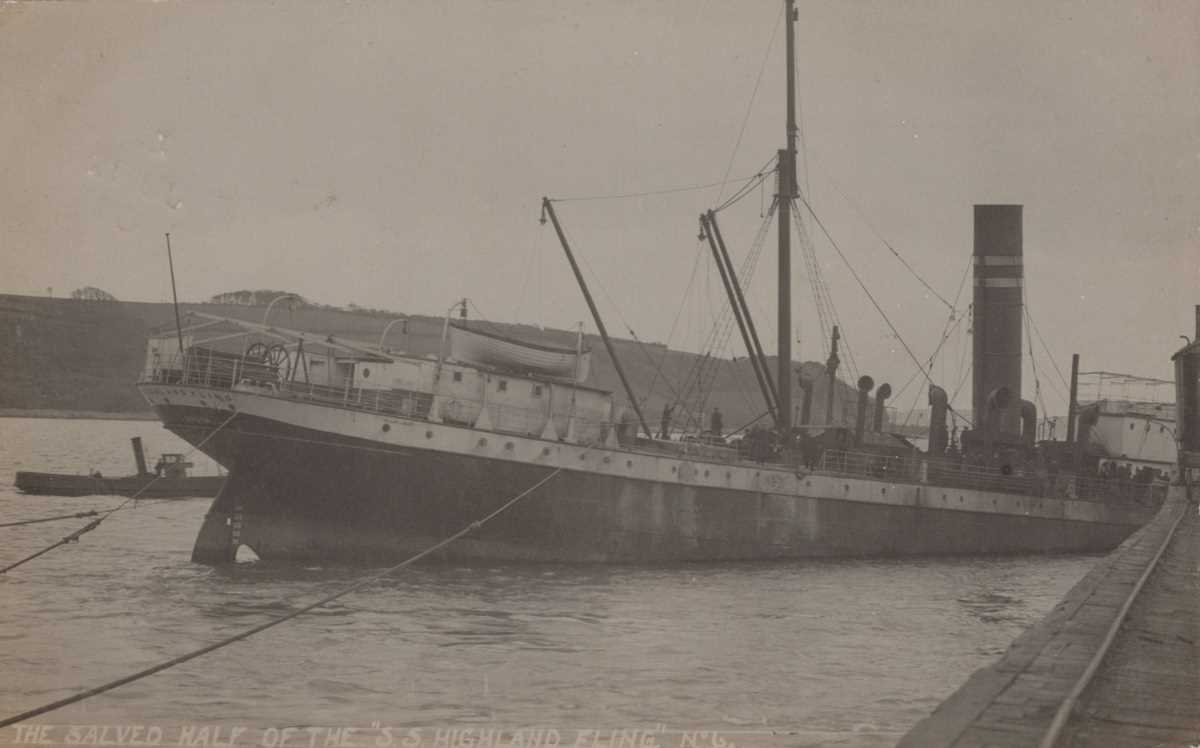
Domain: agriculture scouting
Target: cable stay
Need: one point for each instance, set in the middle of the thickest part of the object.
(246, 634)
(953, 322)
(865, 290)
(866, 221)
(76, 515)
(1046, 348)
(651, 193)
(767, 171)
(753, 95)
(826, 309)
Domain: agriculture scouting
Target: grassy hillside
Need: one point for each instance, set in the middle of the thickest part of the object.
(64, 354)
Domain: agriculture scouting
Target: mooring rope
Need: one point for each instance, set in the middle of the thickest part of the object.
(76, 515)
(275, 621)
(73, 537)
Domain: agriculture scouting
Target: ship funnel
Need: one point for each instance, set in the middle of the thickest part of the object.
(881, 396)
(938, 434)
(996, 344)
(139, 456)
(865, 385)
(1187, 399)
(808, 385)
(1088, 417)
(1028, 423)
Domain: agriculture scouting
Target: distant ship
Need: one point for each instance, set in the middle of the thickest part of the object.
(1130, 422)
(339, 449)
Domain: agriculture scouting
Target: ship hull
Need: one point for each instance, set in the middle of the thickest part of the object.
(314, 482)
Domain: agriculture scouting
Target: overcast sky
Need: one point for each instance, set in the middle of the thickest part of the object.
(394, 155)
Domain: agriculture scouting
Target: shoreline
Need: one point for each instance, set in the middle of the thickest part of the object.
(97, 415)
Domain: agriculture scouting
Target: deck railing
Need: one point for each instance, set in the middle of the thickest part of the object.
(943, 473)
(232, 373)
(223, 371)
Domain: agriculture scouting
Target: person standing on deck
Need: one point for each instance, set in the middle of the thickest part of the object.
(716, 422)
(664, 429)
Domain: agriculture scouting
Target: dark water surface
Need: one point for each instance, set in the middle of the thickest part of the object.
(846, 652)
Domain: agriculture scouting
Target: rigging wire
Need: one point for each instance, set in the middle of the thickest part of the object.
(76, 515)
(823, 289)
(816, 283)
(722, 328)
(612, 303)
(1046, 348)
(671, 334)
(532, 263)
(952, 323)
(651, 193)
(1037, 383)
(146, 672)
(753, 94)
(1033, 363)
(863, 286)
(766, 170)
(800, 125)
(862, 214)
(73, 537)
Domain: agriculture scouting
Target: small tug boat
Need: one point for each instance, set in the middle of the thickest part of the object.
(168, 480)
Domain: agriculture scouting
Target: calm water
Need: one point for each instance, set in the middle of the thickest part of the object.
(846, 653)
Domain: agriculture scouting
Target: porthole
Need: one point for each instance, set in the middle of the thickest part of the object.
(366, 372)
(545, 451)
(508, 446)
(387, 427)
(629, 463)
(428, 434)
(482, 442)
(674, 469)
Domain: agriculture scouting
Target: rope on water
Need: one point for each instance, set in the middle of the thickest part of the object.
(96, 522)
(76, 515)
(275, 621)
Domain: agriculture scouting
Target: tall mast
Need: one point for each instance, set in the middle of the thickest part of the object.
(787, 194)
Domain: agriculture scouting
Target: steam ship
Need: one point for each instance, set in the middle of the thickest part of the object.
(338, 449)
